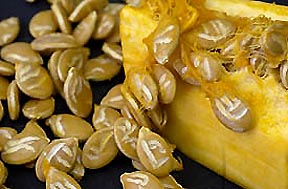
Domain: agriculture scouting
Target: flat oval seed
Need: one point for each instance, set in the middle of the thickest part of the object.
(275, 43)
(165, 39)
(140, 179)
(20, 52)
(6, 133)
(86, 7)
(114, 98)
(53, 70)
(101, 68)
(60, 153)
(60, 179)
(9, 30)
(76, 57)
(61, 17)
(4, 83)
(65, 125)
(34, 80)
(26, 146)
(126, 135)
(166, 83)
(54, 41)
(99, 150)
(143, 87)
(233, 113)
(113, 50)
(42, 23)
(3, 173)
(154, 153)
(78, 170)
(170, 183)
(70, 5)
(84, 30)
(39, 109)
(78, 93)
(104, 26)
(6, 69)
(13, 100)
(104, 117)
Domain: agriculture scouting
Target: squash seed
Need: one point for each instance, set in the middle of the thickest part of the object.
(76, 57)
(6, 133)
(13, 100)
(166, 83)
(4, 83)
(1, 110)
(53, 70)
(137, 165)
(34, 80)
(9, 30)
(39, 109)
(85, 7)
(169, 182)
(3, 173)
(70, 5)
(125, 135)
(61, 17)
(114, 50)
(143, 87)
(84, 30)
(104, 26)
(233, 113)
(274, 43)
(6, 69)
(104, 117)
(140, 179)
(158, 117)
(60, 179)
(20, 52)
(66, 125)
(60, 153)
(54, 41)
(99, 150)
(78, 170)
(101, 68)
(78, 93)
(113, 98)
(26, 146)
(44, 22)
(154, 153)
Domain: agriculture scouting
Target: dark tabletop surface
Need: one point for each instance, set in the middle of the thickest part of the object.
(194, 176)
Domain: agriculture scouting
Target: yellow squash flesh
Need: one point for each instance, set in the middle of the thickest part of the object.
(256, 159)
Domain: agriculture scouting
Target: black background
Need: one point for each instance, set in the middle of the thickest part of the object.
(194, 176)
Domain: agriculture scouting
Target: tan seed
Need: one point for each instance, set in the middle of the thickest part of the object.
(60, 179)
(44, 22)
(101, 68)
(84, 30)
(39, 109)
(114, 98)
(100, 149)
(78, 170)
(76, 57)
(154, 153)
(4, 83)
(9, 30)
(104, 117)
(6, 133)
(78, 93)
(125, 112)
(170, 183)
(13, 100)
(86, 7)
(126, 135)
(60, 153)
(6, 69)
(70, 5)
(54, 41)
(166, 83)
(140, 179)
(61, 17)
(66, 125)
(114, 50)
(104, 26)
(20, 52)
(34, 80)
